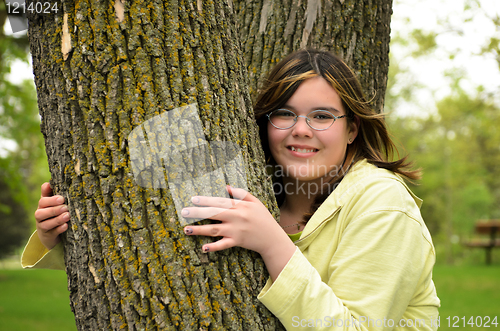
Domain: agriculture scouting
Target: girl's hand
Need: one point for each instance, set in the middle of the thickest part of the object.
(51, 217)
(245, 223)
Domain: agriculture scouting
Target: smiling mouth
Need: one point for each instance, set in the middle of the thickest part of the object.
(303, 150)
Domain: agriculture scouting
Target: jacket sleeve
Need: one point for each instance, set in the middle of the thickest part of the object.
(372, 277)
(37, 256)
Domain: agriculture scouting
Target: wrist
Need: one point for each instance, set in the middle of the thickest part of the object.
(276, 257)
(50, 243)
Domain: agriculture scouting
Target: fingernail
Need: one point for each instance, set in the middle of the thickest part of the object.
(185, 212)
(64, 209)
(206, 249)
(195, 199)
(65, 216)
(188, 230)
(60, 200)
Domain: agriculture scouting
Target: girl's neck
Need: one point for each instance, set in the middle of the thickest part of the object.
(299, 198)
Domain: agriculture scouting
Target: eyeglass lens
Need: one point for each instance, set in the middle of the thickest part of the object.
(318, 119)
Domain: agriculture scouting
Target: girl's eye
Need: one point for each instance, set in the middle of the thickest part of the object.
(283, 113)
(322, 116)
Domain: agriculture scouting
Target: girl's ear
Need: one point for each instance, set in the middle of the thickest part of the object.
(354, 128)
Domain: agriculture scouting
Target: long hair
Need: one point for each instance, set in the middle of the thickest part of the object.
(372, 142)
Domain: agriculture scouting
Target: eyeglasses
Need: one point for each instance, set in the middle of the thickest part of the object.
(318, 119)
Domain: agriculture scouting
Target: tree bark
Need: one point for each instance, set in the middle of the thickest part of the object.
(357, 30)
(128, 261)
(103, 69)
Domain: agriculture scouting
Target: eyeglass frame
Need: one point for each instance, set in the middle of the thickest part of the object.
(306, 117)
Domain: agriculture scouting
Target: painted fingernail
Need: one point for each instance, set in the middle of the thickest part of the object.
(195, 199)
(188, 230)
(206, 249)
(185, 212)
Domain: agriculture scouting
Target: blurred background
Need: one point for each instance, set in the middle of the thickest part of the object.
(443, 106)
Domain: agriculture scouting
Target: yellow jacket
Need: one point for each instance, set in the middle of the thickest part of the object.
(363, 262)
(35, 255)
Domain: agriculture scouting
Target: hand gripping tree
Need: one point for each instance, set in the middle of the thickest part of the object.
(132, 94)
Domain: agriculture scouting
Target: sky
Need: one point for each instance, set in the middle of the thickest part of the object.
(454, 37)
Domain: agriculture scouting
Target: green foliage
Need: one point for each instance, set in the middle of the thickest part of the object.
(493, 45)
(426, 42)
(14, 221)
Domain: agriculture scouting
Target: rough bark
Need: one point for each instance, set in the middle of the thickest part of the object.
(357, 30)
(103, 69)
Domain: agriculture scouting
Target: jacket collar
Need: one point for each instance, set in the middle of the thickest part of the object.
(351, 183)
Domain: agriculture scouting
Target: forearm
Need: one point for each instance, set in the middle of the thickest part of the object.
(289, 297)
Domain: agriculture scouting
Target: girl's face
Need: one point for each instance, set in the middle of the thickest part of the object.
(306, 154)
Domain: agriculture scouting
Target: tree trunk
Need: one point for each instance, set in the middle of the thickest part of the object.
(128, 261)
(110, 77)
(357, 30)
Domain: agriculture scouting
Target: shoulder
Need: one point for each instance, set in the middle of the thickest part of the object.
(367, 187)
(379, 199)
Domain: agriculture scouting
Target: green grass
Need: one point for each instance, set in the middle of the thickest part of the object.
(468, 291)
(37, 300)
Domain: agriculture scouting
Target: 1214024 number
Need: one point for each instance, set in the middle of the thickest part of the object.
(474, 321)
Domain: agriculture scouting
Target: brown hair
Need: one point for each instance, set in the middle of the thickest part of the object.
(372, 142)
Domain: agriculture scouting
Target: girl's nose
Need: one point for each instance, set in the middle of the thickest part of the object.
(301, 128)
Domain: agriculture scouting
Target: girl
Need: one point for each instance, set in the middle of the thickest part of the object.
(360, 256)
